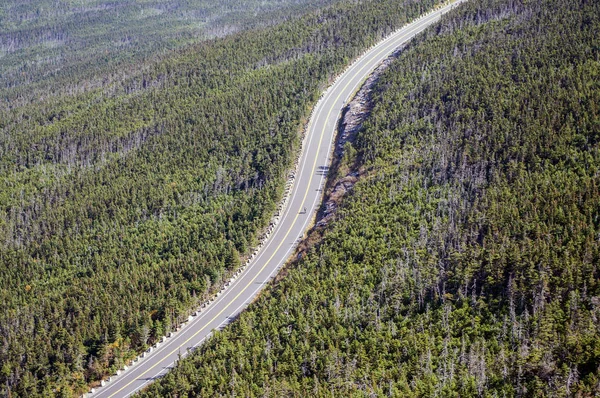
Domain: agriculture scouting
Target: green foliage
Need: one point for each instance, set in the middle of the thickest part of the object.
(465, 261)
(47, 46)
(122, 203)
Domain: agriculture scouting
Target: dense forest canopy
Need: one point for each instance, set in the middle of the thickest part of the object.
(57, 45)
(465, 261)
(122, 203)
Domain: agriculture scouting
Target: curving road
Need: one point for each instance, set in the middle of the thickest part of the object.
(306, 193)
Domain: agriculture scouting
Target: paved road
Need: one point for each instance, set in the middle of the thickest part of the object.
(306, 193)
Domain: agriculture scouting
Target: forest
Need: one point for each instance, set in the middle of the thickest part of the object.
(48, 47)
(124, 200)
(464, 261)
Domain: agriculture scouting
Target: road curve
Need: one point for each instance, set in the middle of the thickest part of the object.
(306, 193)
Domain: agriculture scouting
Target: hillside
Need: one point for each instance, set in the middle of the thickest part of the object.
(122, 205)
(55, 47)
(464, 261)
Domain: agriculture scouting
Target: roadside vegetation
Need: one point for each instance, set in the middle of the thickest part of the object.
(123, 202)
(464, 262)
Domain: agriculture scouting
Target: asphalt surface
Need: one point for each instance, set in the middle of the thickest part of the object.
(306, 193)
